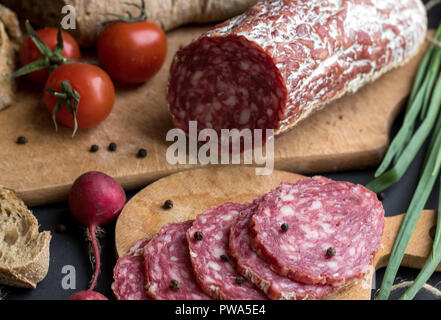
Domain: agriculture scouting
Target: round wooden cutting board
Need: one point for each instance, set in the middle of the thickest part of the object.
(194, 191)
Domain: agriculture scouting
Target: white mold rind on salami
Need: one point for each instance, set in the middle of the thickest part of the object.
(274, 65)
(321, 214)
(167, 259)
(259, 272)
(129, 276)
(217, 277)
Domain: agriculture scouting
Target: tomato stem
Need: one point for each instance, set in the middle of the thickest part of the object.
(129, 18)
(51, 60)
(67, 97)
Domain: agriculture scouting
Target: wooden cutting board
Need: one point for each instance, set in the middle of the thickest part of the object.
(195, 191)
(352, 133)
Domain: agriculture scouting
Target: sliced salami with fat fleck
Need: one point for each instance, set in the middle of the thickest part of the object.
(258, 271)
(208, 243)
(128, 274)
(331, 232)
(168, 269)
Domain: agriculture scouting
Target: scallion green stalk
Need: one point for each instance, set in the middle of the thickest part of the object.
(424, 189)
(421, 91)
(432, 263)
(395, 174)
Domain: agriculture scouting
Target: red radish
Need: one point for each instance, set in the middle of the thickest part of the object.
(94, 200)
(87, 295)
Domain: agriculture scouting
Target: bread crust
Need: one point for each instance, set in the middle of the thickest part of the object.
(10, 37)
(31, 272)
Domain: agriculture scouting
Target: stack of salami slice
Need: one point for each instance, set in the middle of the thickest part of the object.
(300, 241)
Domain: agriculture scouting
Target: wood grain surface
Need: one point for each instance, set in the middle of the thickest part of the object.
(192, 192)
(351, 133)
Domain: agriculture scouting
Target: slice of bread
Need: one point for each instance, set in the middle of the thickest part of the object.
(24, 252)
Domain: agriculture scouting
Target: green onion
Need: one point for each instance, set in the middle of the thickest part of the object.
(430, 83)
(433, 140)
(420, 76)
(431, 264)
(419, 199)
(425, 101)
(418, 100)
(393, 175)
(424, 67)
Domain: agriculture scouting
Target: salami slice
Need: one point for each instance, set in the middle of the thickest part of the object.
(128, 274)
(272, 66)
(168, 269)
(208, 243)
(318, 230)
(258, 271)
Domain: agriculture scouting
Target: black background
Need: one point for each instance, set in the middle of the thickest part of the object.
(71, 248)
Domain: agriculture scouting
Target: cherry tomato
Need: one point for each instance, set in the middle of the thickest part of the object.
(29, 51)
(96, 90)
(132, 52)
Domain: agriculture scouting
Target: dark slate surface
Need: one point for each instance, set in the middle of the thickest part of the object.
(70, 247)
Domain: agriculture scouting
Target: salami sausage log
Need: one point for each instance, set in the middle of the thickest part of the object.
(128, 274)
(272, 66)
(318, 230)
(169, 272)
(208, 243)
(259, 272)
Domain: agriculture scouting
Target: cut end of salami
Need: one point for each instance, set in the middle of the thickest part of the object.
(169, 274)
(209, 255)
(276, 64)
(222, 83)
(335, 229)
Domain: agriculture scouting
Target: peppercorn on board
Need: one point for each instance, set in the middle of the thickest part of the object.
(144, 214)
(352, 133)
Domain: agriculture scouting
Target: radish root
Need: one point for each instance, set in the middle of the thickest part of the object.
(94, 252)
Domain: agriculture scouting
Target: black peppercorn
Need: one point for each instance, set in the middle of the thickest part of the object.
(174, 285)
(198, 235)
(142, 153)
(284, 227)
(240, 280)
(22, 140)
(112, 146)
(94, 148)
(60, 228)
(330, 252)
(224, 258)
(380, 196)
(168, 204)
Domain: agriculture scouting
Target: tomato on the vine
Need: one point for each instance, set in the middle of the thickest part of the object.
(132, 50)
(79, 95)
(30, 53)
